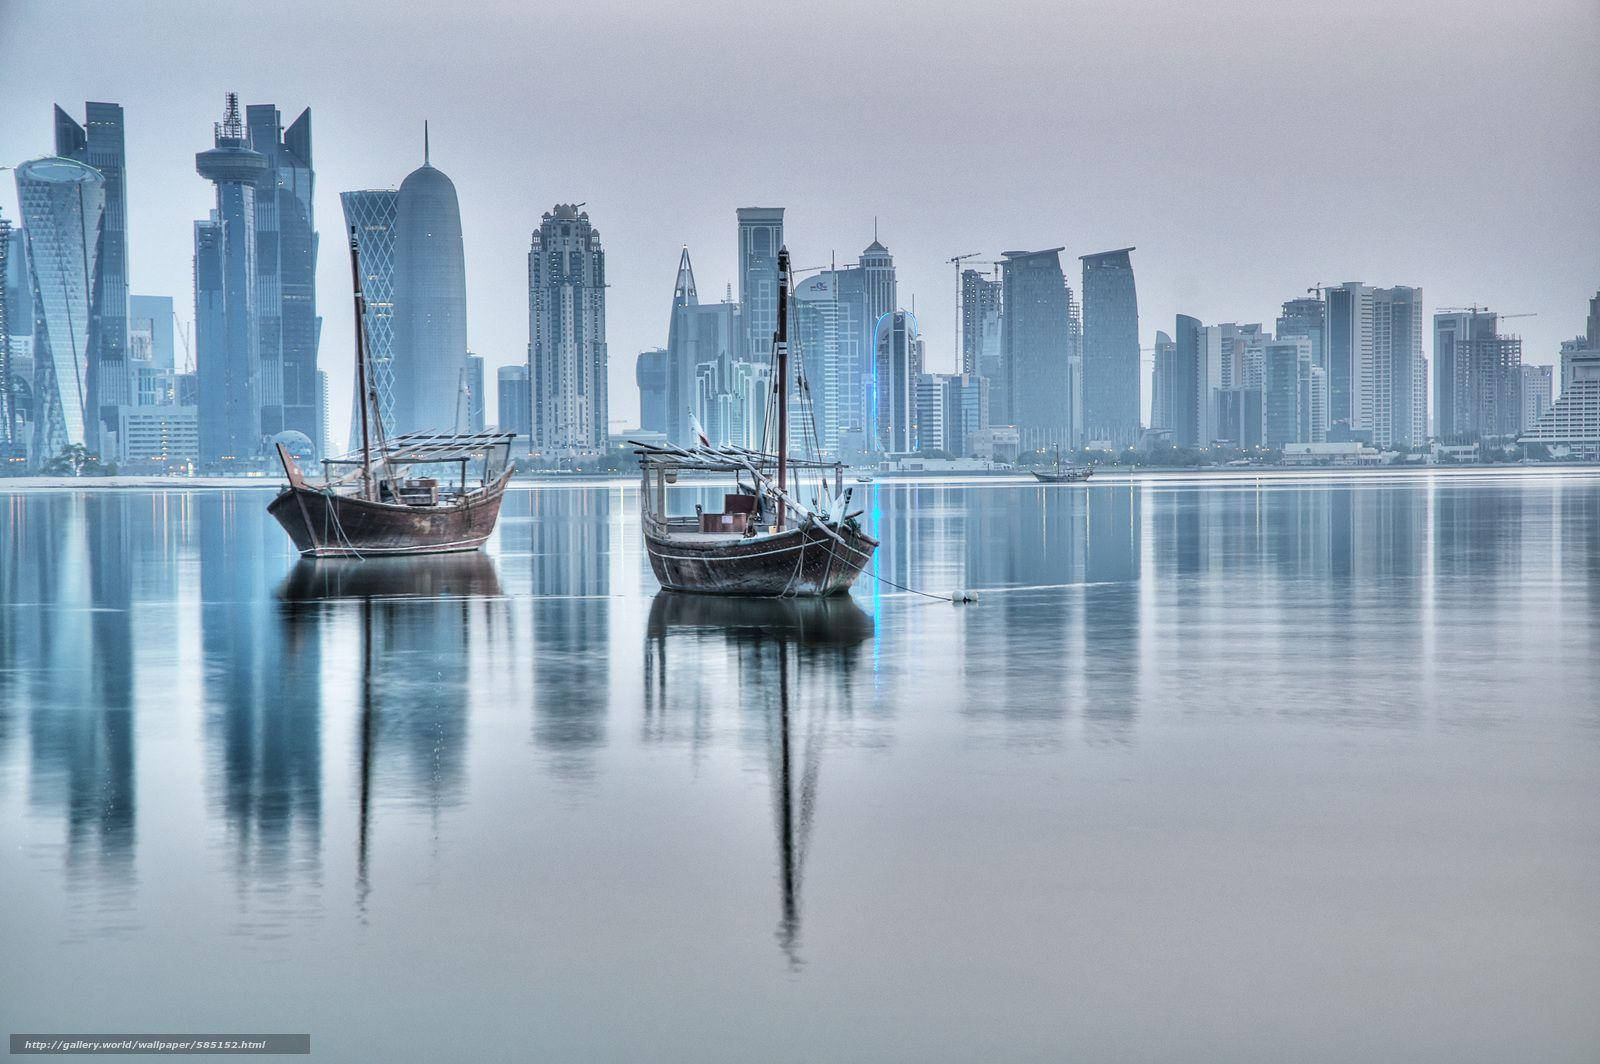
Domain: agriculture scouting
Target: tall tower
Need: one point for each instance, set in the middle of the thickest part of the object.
(99, 143)
(980, 299)
(898, 348)
(225, 296)
(1110, 348)
(880, 295)
(1037, 349)
(430, 302)
(63, 207)
(370, 215)
(286, 274)
(567, 361)
(681, 356)
(760, 237)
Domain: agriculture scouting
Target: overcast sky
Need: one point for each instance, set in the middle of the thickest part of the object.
(1249, 150)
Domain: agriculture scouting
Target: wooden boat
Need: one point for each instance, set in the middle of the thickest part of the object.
(380, 504)
(765, 541)
(1069, 475)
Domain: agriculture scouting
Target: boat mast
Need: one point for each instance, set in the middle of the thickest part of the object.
(783, 377)
(361, 366)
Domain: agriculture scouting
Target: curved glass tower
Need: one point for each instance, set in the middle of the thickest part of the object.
(430, 296)
(371, 214)
(1110, 349)
(63, 207)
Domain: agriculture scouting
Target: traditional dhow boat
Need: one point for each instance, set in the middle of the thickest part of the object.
(381, 501)
(1070, 475)
(765, 541)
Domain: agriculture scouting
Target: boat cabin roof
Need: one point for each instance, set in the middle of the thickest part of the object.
(717, 459)
(419, 447)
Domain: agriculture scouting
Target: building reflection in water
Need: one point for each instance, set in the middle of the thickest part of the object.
(792, 679)
(262, 694)
(408, 626)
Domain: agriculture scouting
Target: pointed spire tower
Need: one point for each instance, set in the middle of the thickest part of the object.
(680, 356)
(683, 293)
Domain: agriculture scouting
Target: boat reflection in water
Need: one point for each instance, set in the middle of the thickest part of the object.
(780, 645)
(426, 576)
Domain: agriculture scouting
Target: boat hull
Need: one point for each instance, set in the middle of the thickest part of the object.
(326, 525)
(797, 562)
(1076, 477)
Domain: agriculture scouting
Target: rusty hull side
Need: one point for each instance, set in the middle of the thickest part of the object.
(799, 561)
(324, 525)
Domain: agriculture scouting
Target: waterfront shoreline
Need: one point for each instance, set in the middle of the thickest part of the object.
(1119, 475)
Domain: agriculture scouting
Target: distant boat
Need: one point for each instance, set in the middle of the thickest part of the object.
(863, 478)
(764, 541)
(377, 505)
(1069, 475)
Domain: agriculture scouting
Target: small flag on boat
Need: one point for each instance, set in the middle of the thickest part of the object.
(699, 430)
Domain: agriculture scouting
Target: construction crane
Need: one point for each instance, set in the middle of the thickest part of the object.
(956, 261)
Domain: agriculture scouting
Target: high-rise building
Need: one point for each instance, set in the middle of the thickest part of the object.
(1377, 374)
(567, 334)
(9, 445)
(226, 297)
(823, 339)
(1036, 337)
(63, 207)
(472, 396)
(899, 364)
(370, 215)
(99, 143)
(1163, 381)
(430, 302)
(952, 410)
(150, 318)
(286, 274)
(322, 403)
(515, 400)
(760, 237)
(1572, 424)
(1538, 393)
(1288, 393)
(1478, 376)
(1110, 349)
(1307, 317)
(1187, 397)
(684, 354)
(16, 361)
(980, 303)
(650, 373)
(1399, 369)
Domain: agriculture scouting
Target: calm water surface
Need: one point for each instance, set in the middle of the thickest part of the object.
(1214, 770)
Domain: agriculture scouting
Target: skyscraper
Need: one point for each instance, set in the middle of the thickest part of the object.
(1305, 317)
(1538, 390)
(1572, 424)
(567, 334)
(682, 356)
(1187, 396)
(370, 214)
(1478, 384)
(980, 301)
(514, 400)
(63, 207)
(16, 292)
(1110, 348)
(650, 373)
(8, 418)
(1377, 374)
(430, 302)
(1163, 379)
(1036, 337)
(899, 357)
(1289, 394)
(286, 274)
(225, 297)
(760, 237)
(100, 143)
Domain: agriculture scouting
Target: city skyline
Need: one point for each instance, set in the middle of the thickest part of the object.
(1325, 226)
